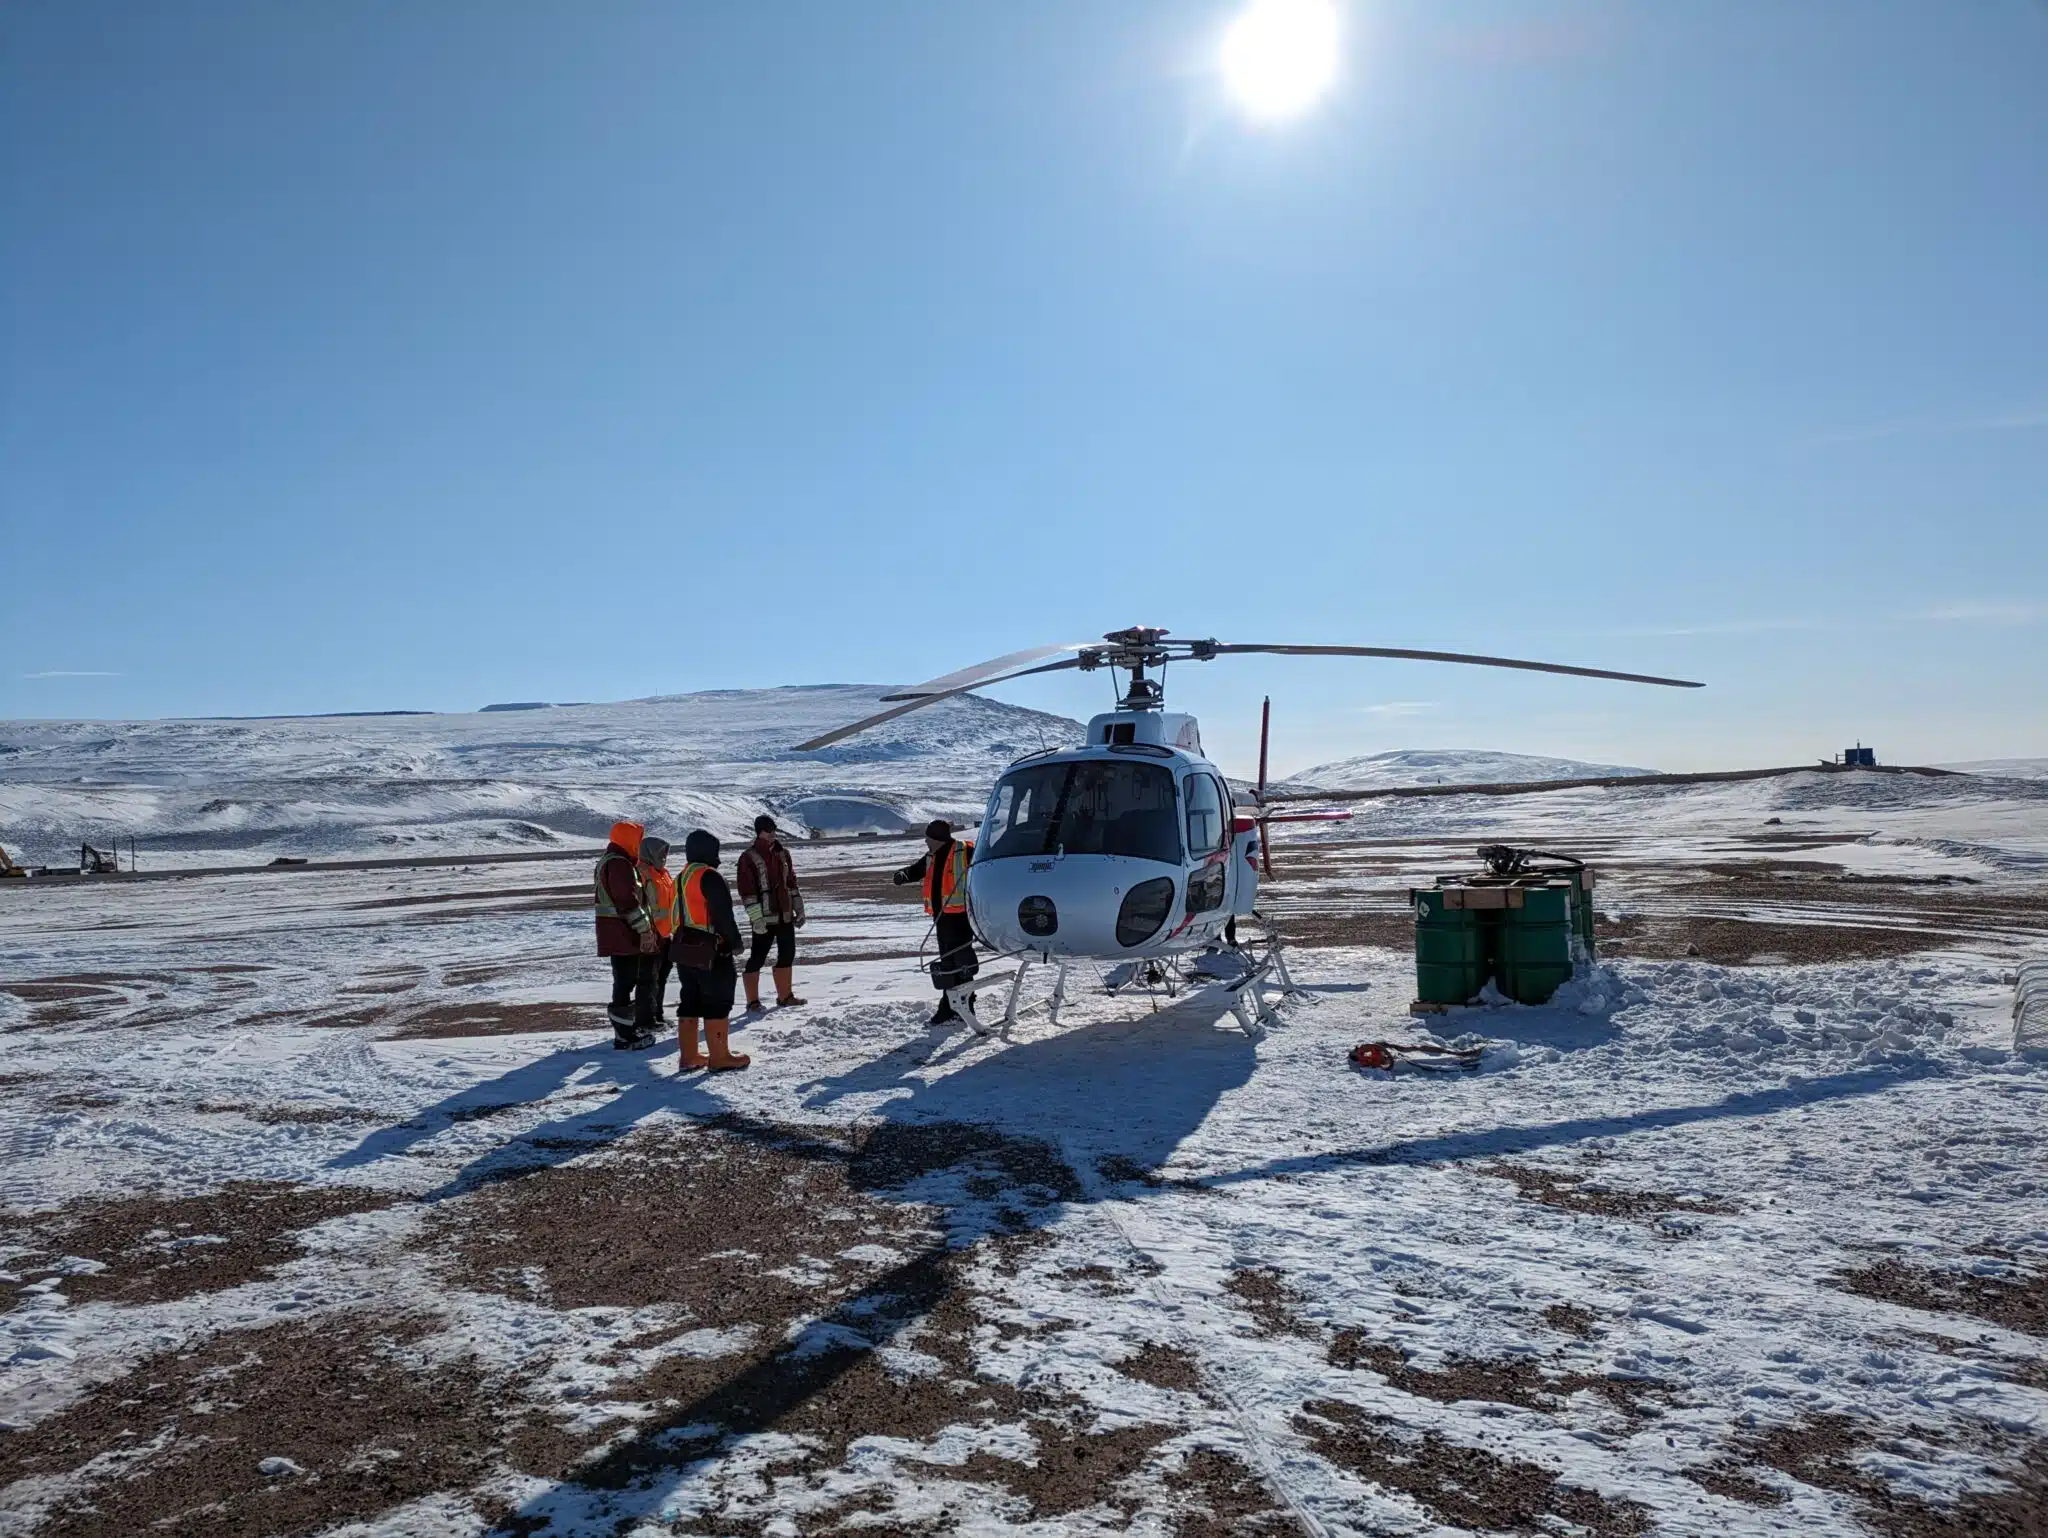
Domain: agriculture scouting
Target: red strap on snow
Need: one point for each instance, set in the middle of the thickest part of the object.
(1381, 1054)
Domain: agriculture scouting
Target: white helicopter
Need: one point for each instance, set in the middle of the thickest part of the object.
(1131, 848)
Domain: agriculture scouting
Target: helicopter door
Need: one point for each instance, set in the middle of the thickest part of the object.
(1245, 855)
(1209, 839)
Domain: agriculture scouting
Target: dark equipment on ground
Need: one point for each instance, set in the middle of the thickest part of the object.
(1524, 922)
(94, 862)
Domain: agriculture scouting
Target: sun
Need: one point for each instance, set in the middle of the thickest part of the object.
(1280, 56)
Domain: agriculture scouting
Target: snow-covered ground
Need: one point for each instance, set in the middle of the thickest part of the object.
(1446, 766)
(1686, 1225)
(191, 792)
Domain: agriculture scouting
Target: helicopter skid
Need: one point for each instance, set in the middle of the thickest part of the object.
(1051, 1005)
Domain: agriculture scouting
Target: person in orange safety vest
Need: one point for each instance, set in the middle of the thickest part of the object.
(658, 897)
(943, 872)
(625, 936)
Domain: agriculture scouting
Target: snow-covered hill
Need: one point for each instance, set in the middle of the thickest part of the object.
(190, 790)
(1446, 766)
(2005, 768)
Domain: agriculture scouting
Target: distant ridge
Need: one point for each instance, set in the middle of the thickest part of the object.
(1404, 767)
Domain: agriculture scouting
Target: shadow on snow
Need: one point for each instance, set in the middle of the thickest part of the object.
(1139, 1088)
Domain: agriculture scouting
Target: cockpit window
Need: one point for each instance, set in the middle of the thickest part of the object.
(1205, 814)
(1094, 807)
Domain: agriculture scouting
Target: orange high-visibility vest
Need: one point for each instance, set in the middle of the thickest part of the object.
(661, 900)
(952, 880)
(695, 911)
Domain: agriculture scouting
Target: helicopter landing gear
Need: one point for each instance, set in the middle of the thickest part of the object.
(962, 1000)
(1052, 1005)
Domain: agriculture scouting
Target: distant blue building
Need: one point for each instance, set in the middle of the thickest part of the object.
(1860, 757)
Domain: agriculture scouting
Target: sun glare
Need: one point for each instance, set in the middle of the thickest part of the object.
(1280, 56)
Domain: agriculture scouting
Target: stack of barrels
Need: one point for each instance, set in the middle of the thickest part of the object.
(1526, 932)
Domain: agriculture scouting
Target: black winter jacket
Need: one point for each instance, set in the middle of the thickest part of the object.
(701, 848)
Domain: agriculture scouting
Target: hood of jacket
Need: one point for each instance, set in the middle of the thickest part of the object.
(653, 851)
(626, 838)
(701, 848)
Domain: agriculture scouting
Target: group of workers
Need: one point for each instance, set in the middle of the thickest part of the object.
(651, 922)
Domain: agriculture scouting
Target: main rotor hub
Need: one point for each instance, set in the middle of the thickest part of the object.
(1137, 649)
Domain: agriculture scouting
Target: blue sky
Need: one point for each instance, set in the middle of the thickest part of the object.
(360, 356)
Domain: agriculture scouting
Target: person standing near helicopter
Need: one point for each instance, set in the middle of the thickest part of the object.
(943, 871)
(775, 912)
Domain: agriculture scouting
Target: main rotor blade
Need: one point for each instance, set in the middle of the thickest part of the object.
(1484, 662)
(984, 672)
(918, 702)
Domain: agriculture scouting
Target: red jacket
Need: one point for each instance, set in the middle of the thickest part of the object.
(768, 880)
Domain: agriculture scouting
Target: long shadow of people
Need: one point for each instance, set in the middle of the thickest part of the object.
(1138, 1088)
(624, 1088)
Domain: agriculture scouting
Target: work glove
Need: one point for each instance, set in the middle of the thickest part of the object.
(757, 918)
(899, 879)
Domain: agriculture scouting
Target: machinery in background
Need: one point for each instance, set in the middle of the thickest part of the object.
(1523, 923)
(8, 867)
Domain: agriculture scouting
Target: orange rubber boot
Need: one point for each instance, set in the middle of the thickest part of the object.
(686, 1042)
(722, 1056)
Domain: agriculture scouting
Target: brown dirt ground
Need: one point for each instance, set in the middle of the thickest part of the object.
(871, 886)
(139, 1238)
(1269, 1300)
(1747, 942)
(445, 1021)
(1167, 1367)
(1731, 1483)
(1821, 1452)
(571, 896)
(1555, 1189)
(626, 1227)
(1519, 1380)
(1391, 931)
(1462, 1486)
(1570, 1319)
(287, 1115)
(186, 1430)
(2015, 1304)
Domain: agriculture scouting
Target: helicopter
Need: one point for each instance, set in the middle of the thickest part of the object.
(1131, 848)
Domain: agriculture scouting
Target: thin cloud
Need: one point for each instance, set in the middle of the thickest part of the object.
(1728, 627)
(2023, 419)
(1400, 708)
(73, 673)
(1979, 613)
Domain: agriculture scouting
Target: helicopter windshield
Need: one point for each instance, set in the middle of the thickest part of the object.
(1097, 806)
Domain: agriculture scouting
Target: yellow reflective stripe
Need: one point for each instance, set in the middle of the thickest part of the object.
(606, 908)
